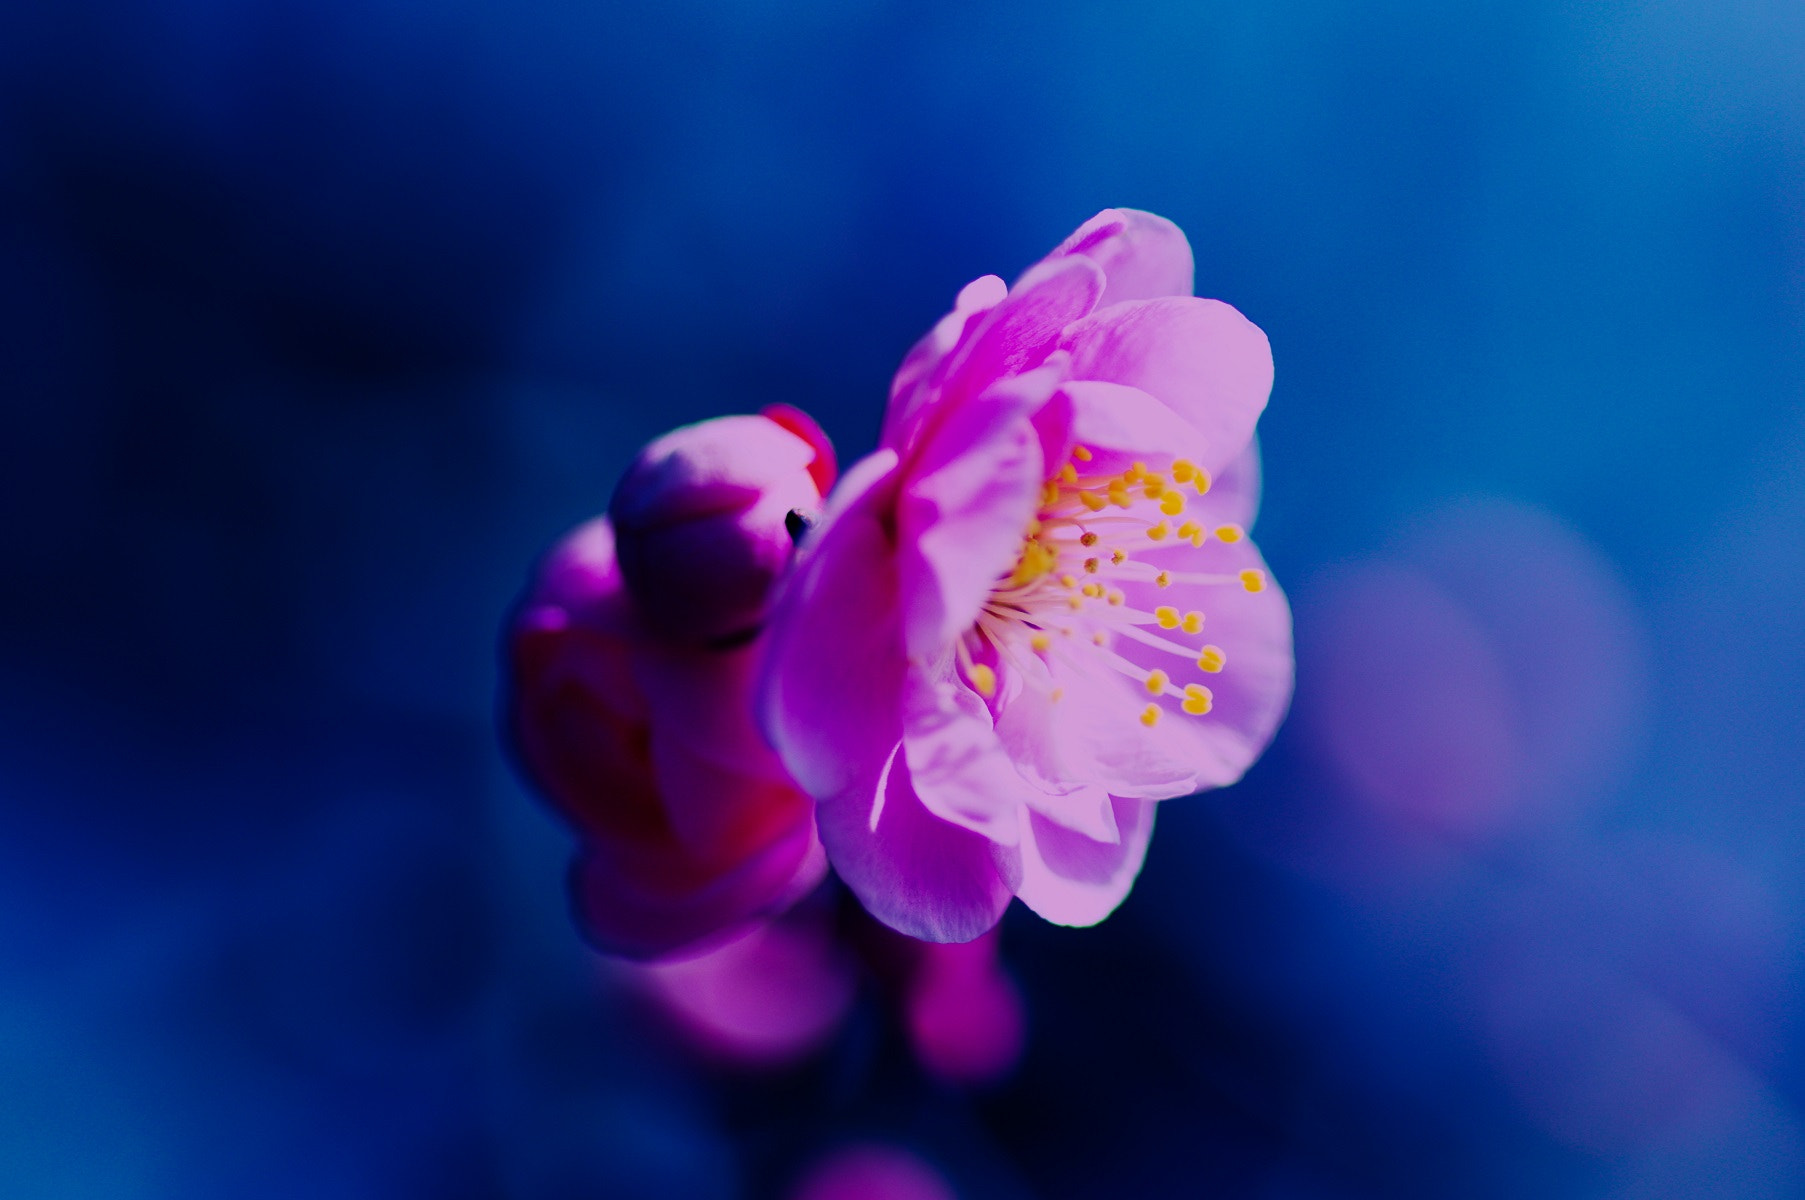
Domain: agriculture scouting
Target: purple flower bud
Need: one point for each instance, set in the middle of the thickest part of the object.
(703, 521)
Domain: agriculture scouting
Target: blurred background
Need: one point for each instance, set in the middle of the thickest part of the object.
(320, 319)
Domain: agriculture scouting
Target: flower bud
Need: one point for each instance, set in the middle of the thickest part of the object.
(689, 827)
(704, 525)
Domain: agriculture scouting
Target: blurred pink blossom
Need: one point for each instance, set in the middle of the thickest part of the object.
(992, 657)
(872, 1172)
(630, 693)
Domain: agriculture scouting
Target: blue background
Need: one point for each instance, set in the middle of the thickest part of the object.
(318, 320)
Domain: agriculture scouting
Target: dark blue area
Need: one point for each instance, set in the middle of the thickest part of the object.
(319, 320)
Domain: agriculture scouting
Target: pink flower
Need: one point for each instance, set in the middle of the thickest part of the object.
(1034, 611)
(630, 699)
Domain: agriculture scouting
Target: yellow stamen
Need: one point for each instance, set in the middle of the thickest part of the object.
(1183, 469)
(1154, 488)
(983, 678)
(1167, 616)
(1158, 533)
(1074, 602)
(1089, 539)
(1253, 581)
(1157, 681)
(1172, 503)
(1068, 581)
(1092, 565)
(1188, 529)
(1192, 623)
(1150, 716)
(1093, 590)
(1092, 501)
(1202, 482)
(1211, 659)
(1198, 699)
(1135, 471)
(1100, 638)
(1116, 596)
(1081, 453)
(1041, 643)
(1118, 556)
(1230, 533)
(1163, 579)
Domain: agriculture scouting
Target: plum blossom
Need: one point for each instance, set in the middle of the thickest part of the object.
(631, 666)
(1034, 611)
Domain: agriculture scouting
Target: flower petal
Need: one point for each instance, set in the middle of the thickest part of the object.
(1070, 879)
(1090, 742)
(1142, 255)
(959, 768)
(1201, 358)
(916, 386)
(964, 509)
(1019, 334)
(916, 873)
(1121, 425)
(829, 695)
(1250, 694)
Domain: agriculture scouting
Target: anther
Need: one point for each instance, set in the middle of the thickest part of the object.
(983, 678)
(1253, 581)
(1158, 533)
(1116, 596)
(1172, 503)
(1210, 659)
(1068, 581)
(1150, 716)
(1088, 539)
(1230, 533)
(1068, 474)
(1135, 471)
(1118, 556)
(1092, 501)
(1093, 590)
(1157, 681)
(1202, 482)
(1167, 616)
(1074, 602)
(1092, 565)
(1100, 638)
(1192, 623)
(1081, 453)
(1163, 579)
(1188, 529)
(1183, 470)
(1042, 643)
(1198, 699)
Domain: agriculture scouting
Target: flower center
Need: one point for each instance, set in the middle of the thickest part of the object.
(1064, 599)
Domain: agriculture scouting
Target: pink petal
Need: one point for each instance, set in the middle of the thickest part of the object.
(1201, 358)
(959, 769)
(788, 417)
(916, 387)
(1253, 690)
(1070, 879)
(964, 510)
(1121, 425)
(1018, 334)
(1143, 256)
(916, 873)
(833, 673)
(1092, 736)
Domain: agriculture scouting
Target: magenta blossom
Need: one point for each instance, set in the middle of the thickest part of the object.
(639, 730)
(1034, 611)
